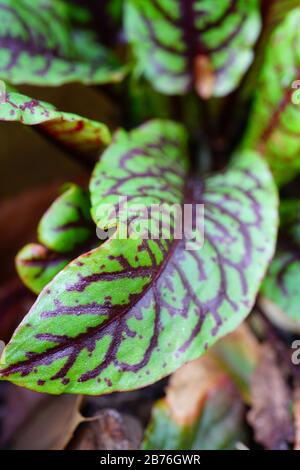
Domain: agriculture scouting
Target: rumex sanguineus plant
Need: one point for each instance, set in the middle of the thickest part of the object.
(210, 117)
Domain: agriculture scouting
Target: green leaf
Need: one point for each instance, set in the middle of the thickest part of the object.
(202, 411)
(37, 265)
(67, 223)
(65, 231)
(39, 46)
(197, 44)
(281, 285)
(70, 130)
(274, 123)
(273, 13)
(133, 310)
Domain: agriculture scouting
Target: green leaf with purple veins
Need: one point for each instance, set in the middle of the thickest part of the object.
(133, 310)
(181, 45)
(67, 223)
(65, 231)
(274, 123)
(70, 130)
(37, 265)
(273, 13)
(39, 46)
(281, 285)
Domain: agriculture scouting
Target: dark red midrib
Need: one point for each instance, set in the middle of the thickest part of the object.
(53, 256)
(94, 331)
(43, 262)
(286, 100)
(79, 125)
(75, 224)
(190, 33)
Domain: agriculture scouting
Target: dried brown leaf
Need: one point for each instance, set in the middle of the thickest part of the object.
(189, 387)
(109, 430)
(270, 415)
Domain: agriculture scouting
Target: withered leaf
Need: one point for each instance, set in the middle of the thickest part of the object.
(110, 430)
(189, 387)
(270, 415)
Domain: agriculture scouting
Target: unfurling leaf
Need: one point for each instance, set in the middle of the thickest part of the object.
(39, 46)
(70, 130)
(280, 288)
(135, 309)
(196, 44)
(65, 231)
(202, 410)
(274, 123)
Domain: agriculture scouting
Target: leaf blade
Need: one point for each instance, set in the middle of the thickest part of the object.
(184, 45)
(36, 50)
(65, 231)
(78, 134)
(37, 266)
(280, 287)
(67, 223)
(274, 121)
(128, 313)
